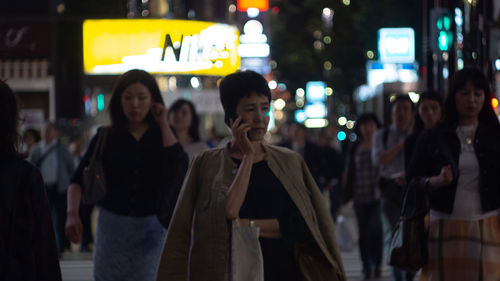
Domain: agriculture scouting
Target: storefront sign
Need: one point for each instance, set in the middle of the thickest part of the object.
(160, 46)
(25, 40)
(396, 45)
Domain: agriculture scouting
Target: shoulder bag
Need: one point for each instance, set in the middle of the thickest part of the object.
(94, 182)
(313, 268)
(408, 249)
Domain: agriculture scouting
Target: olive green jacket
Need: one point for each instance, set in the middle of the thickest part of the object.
(198, 239)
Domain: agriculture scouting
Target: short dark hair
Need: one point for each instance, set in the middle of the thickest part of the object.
(402, 98)
(195, 120)
(118, 118)
(9, 120)
(33, 132)
(365, 118)
(458, 81)
(418, 126)
(238, 85)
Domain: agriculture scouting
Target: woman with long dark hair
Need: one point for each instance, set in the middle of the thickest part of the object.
(142, 162)
(28, 248)
(456, 166)
(185, 123)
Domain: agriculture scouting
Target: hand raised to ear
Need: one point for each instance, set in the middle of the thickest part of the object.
(160, 113)
(240, 136)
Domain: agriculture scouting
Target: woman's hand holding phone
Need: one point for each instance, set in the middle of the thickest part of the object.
(240, 134)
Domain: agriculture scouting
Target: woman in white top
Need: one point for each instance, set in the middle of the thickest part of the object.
(185, 124)
(457, 165)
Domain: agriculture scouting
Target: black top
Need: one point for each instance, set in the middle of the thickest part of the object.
(266, 198)
(137, 172)
(28, 248)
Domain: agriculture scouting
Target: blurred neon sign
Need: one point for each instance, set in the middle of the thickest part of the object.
(160, 46)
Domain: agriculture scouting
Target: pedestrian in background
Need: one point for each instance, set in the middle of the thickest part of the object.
(28, 248)
(30, 138)
(360, 185)
(331, 169)
(56, 165)
(457, 167)
(428, 114)
(185, 123)
(259, 184)
(388, 155)
(298, 141)
(142, 162)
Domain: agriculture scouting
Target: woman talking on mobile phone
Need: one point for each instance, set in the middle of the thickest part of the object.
(259, 184)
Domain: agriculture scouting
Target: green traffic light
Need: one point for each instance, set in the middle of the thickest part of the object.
(439, 23)
(445, 40)
(100, 102)
(446, 22)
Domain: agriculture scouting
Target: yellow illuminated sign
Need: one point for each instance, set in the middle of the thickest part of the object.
(160, 46)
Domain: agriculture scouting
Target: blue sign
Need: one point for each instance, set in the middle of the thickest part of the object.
(315, 91)
(396, 45)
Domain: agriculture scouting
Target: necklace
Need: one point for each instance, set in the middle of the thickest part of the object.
(467, 137)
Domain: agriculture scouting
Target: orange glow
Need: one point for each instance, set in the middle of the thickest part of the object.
(262, 5)
(494, 103)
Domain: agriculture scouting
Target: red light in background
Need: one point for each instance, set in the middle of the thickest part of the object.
(494, 103)
(275, 10)
(85, 98)
(262, 5)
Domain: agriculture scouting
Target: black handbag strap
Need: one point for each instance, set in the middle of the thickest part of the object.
(40, 160)
(99, 147)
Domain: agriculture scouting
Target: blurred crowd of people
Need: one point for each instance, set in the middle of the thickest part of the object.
(447, 150)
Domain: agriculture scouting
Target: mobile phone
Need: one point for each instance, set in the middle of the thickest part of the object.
(234, 117)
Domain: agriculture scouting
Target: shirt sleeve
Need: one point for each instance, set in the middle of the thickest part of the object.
(175, 257)
(377, 147)
(175, 164)
(77, 175)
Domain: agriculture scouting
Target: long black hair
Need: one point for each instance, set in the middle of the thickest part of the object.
(118, 118)
(487, 115)
(419, 125)
(9, 120)
(193, 130)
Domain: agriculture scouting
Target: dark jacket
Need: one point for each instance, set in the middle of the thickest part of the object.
(439, 147)
(28, 250)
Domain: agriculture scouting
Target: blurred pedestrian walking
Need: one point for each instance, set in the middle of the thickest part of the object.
(251, 184)
(388, 155)
(56, 165)
(30, 138)
(428, 114)
(298, 141)
(28, 248)
(143, 165)
(457, 167)
(330, 172)
(185, 124)
(361, 186)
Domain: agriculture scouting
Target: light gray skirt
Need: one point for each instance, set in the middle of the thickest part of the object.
(127, 248)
